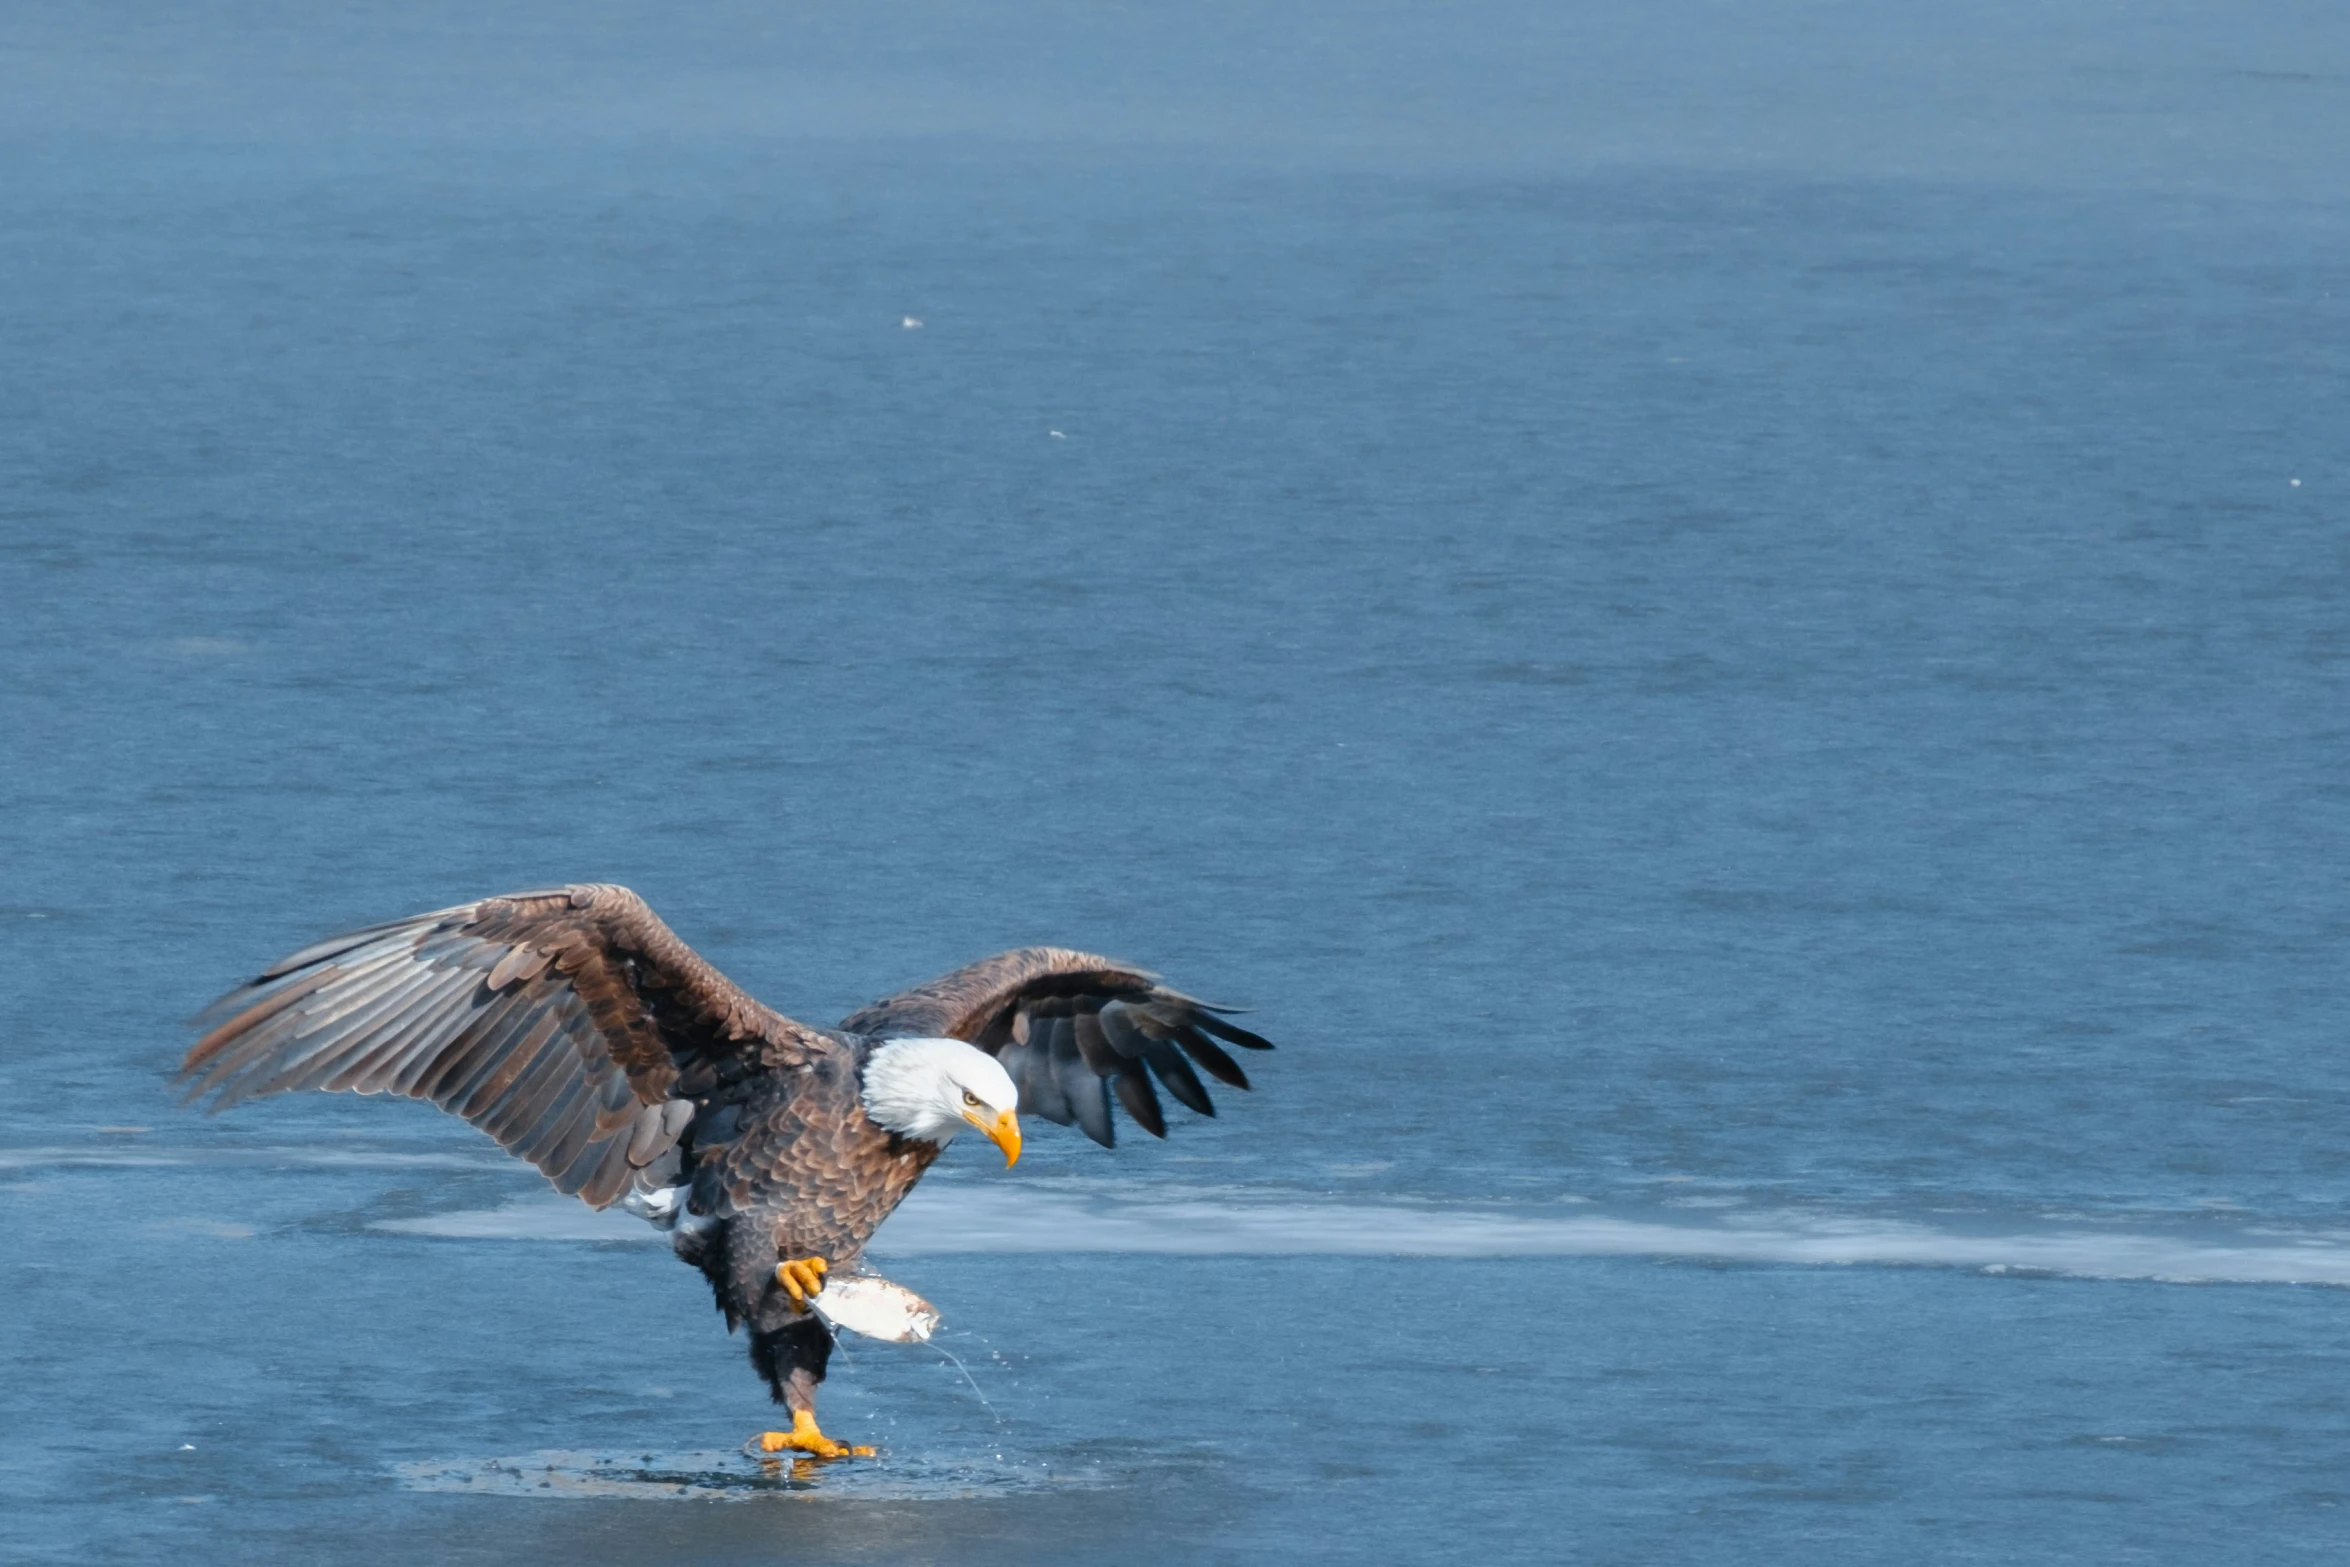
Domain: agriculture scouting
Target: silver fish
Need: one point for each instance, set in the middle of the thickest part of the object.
(870, 1304)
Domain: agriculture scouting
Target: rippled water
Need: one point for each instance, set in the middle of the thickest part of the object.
(1732, 626)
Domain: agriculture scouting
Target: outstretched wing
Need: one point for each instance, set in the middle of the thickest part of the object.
(1072, 1029)
(572, 1026)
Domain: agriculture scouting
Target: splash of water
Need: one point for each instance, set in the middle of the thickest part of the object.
(968, 1377)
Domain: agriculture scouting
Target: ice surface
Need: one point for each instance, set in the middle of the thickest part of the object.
(1696, 603)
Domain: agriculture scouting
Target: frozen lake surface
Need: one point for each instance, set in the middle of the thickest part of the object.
(1733, 624)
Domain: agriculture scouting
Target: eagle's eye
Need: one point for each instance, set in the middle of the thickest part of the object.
(970, 1099)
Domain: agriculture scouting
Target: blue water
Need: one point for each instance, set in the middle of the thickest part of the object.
(1734, 624)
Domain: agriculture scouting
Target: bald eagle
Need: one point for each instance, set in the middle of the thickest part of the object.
(576, 1028)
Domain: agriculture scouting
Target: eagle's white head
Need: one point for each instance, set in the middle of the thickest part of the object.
(933, 1088)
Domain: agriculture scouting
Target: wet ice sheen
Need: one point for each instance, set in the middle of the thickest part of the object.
(729, 1477)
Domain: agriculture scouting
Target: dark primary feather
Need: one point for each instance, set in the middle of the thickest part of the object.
(1177, 1074)
(1072, 1029)
(572, 1025)
(1134, 1092)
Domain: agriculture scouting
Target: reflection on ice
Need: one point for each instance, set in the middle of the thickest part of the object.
(730, 1476)
(955, 1218)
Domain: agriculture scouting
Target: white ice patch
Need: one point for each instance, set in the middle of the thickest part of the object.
(962, 1219)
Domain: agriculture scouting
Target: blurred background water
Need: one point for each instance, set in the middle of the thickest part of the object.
(1731, 621)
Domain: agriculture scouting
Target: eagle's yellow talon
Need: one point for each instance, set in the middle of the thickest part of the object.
(801, 1277)
(803, 1437)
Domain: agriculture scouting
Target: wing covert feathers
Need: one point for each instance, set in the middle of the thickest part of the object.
(1072, 1029)
(571, 1025)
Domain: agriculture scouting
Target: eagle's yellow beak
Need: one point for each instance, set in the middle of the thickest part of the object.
(1003, 1131)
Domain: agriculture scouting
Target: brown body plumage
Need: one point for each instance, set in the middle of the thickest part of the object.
(576, 1028)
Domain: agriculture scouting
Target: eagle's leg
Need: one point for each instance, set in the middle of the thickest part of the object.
(790, 1345)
